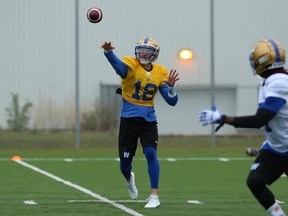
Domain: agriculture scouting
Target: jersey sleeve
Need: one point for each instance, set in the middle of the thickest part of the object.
(274, 93)
(172, 101)
(273, 104)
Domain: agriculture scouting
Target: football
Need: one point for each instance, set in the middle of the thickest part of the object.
(251, 151)
(94, 15)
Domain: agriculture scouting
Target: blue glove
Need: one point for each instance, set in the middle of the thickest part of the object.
(213, 116)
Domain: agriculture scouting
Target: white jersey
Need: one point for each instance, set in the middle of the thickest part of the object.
(276, 130)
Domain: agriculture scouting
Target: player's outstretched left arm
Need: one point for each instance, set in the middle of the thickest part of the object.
(213, 116)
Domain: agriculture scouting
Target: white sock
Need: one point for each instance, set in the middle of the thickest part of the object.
(276, 210)
(153, 196)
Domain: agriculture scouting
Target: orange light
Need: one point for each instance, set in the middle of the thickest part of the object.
(186, 54)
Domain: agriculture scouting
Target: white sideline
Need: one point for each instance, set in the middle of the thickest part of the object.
(139, 159)
(97, 196)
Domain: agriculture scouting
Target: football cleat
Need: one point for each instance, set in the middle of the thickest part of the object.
(148, 47)
(153, 202)
(132, 189)
(267, 54)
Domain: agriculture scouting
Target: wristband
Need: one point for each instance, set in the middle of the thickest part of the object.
(107, 51)
(171, 91)
(222, 122)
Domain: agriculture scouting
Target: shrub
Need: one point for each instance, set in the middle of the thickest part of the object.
(18, 117)
(100, 119)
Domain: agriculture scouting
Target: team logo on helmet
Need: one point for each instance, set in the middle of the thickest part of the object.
(267, 54)
(147, 50)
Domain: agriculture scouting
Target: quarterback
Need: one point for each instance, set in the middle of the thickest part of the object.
(141, 79)
(267, 60)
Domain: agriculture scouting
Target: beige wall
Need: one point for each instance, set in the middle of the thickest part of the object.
(37, 53)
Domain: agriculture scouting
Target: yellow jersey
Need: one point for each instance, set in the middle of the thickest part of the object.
(140, 86)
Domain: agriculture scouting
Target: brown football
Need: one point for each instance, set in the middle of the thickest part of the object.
(251, 151)
(94, 15)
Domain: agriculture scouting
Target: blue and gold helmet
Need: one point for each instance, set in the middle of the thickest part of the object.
(267, 54)
(149, 47)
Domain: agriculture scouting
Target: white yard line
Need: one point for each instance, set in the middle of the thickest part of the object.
(194, 202)
(29, 202)
(84, 190)
(224, 159)
(118, 201)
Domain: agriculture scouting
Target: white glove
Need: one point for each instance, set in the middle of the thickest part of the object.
(213, 116)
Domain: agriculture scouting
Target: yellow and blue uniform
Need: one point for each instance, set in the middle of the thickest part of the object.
(138, 118)
(140, 86)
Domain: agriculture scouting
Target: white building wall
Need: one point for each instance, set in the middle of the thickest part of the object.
(37, 53)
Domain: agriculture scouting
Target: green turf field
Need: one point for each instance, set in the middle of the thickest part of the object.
(54, 178)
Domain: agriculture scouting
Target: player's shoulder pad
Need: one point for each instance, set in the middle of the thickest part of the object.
(130, 62)
(278, 83)
(161, 69)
